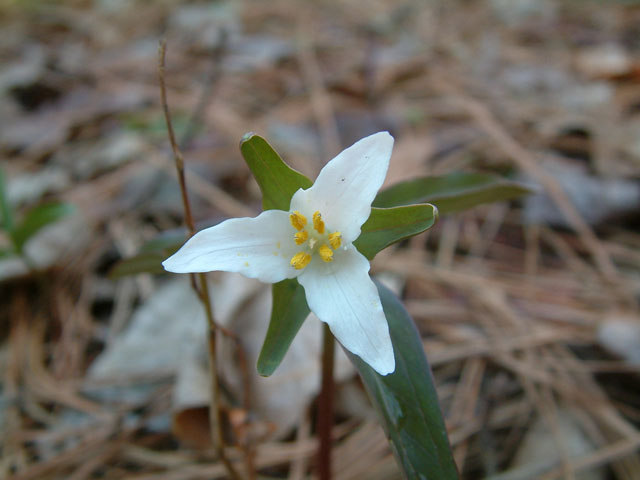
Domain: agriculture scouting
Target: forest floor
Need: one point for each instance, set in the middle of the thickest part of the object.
(528, 309)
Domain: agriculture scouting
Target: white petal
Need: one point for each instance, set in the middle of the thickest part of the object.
(347, 185)
(259, 247)
(342, 294)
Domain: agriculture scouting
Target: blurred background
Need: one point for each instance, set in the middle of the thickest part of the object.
(528, 309)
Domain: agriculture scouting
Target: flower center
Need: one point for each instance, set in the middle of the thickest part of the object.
(316, 239)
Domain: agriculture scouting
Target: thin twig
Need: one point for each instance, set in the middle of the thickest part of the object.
(177, 155)
(215, 410)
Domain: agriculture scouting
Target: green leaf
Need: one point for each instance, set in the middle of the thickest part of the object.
(38, 218)
(277, 180)
(287, 316)
(141, 263)
(167, 242)
(150, 257)
(407, 402)
(451, 193)
(6, 253)
(5, 208)
(389, 225)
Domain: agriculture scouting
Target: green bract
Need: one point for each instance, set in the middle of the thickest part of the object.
(451, 193)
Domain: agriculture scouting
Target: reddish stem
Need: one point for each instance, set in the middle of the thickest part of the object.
(325, 406)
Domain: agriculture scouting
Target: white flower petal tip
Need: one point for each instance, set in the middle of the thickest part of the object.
(382, 360)
(384, 365)
(347, 185)
(342, 294)
(258, 247)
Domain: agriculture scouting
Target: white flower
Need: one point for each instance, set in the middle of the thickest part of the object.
(313, 242)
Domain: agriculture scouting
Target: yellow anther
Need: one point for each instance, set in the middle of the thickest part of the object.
(335, 240)
(325, 253)
(318, 224)
(298, 220)
(300, 260)
(301, 237)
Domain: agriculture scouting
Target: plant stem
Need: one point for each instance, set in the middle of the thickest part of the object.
(325, 405)
(202, 290)
(177, 155)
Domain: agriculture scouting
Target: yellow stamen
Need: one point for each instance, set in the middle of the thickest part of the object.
(335, 240)
(301, 237)
(318, 224)
(326, 253)
(298, 220)
(300, 260)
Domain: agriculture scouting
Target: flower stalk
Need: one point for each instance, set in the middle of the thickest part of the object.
(325, 405)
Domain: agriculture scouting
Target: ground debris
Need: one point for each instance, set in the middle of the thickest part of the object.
(528, 310)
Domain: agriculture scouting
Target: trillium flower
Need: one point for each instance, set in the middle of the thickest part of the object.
(313, 242)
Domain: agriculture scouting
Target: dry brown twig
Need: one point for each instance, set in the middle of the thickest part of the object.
(201, 287)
